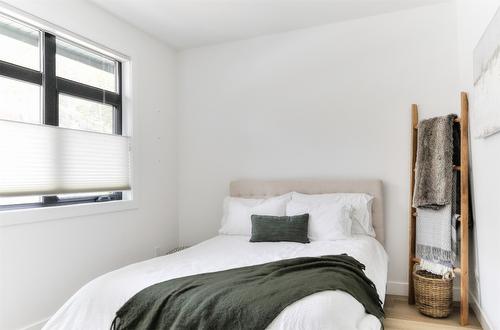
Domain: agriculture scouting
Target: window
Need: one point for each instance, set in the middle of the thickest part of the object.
(60, 121)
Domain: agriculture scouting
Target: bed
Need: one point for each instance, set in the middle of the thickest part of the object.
(94, 305)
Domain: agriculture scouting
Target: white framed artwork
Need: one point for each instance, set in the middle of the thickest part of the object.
(486, 98)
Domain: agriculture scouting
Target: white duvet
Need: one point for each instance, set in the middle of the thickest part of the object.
(94, 305)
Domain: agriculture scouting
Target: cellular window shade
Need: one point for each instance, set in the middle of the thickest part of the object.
(41, 160)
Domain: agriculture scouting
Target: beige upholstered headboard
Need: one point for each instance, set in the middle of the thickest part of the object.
(264, 188)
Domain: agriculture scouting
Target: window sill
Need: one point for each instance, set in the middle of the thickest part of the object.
(38, 214)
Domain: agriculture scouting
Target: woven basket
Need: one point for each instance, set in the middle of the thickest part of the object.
(433, 294)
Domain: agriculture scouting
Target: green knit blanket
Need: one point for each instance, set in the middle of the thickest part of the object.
(245, 298)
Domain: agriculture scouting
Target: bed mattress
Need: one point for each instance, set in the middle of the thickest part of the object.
(94, 305)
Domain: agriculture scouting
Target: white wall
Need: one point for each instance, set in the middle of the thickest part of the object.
(43, 263)
(473, 18)
(328, 101)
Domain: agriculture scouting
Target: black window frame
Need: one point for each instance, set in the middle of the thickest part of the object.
(52, 86)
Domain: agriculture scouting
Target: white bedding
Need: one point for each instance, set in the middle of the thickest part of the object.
(94, 305)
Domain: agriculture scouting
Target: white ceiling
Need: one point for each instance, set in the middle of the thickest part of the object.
(191, 23)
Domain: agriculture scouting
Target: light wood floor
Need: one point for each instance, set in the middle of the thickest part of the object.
(401, 316)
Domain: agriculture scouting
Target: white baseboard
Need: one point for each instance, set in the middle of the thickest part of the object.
(36, 326)
(397, 288)
(480, 314)
(401, 289)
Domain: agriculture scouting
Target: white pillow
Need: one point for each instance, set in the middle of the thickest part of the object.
(236, 219)
(361, 213)
(327, 221)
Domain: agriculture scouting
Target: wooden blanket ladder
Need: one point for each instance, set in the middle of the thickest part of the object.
(463, 168)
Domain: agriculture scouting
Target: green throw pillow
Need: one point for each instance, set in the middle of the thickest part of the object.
(267, 228)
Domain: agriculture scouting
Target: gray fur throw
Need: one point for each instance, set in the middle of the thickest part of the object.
(434, 164)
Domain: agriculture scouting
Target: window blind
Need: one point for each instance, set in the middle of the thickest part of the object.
(43, 159)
